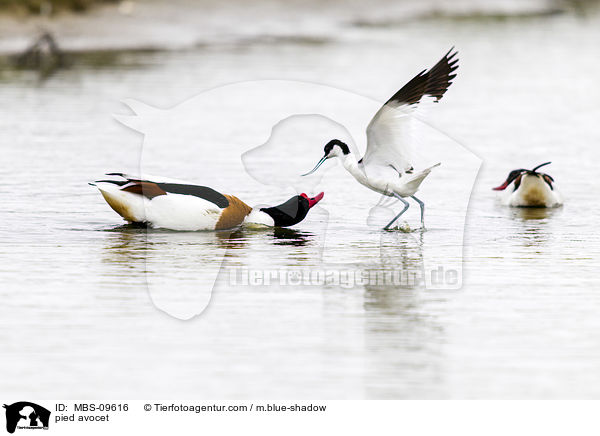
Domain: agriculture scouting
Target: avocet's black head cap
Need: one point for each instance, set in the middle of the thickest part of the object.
(292, 211)
(330, 151)
(329, 146)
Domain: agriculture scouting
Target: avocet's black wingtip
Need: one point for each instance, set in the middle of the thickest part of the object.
(451, 53)
(433, 82)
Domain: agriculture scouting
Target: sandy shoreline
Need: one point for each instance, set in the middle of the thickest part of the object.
(181, 24)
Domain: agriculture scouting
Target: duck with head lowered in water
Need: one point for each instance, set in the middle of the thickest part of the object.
(530, 188)
(174, 205)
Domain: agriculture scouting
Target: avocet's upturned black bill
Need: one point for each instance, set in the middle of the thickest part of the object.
(530, 188)
(176, 205)
(323, 159)
(386, 166)
(328, 149)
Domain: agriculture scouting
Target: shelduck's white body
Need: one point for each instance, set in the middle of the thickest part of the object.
(171, 211)
(532, 192)
(180, 206)
(529, 188)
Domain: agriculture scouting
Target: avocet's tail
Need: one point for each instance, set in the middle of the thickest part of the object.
(413, 181)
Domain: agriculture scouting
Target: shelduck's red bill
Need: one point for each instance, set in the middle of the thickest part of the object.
(502, 187)
(314, 200)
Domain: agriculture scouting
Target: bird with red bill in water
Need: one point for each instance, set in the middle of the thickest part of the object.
(529, 188)
(175, 205)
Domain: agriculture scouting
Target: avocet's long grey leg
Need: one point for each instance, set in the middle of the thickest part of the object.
(401, 212)
(422, 209)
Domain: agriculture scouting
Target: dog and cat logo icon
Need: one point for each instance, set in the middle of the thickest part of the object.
(26, 415)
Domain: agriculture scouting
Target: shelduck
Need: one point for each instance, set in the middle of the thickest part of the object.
(170, 204)
(530, 188)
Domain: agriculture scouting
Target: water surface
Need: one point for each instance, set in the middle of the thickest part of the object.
(73, 279)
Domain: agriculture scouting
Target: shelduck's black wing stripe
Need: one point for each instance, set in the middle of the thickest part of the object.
(434, 82)
(203, 192)
(114, 182)
(117, 174)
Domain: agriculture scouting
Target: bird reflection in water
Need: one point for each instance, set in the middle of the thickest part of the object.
(133, 239)
(235, 240)
(400, 259)
(536, 223)
(125, 244)
(533, 213)
(281, 236)
(403, 336)
(287, 236)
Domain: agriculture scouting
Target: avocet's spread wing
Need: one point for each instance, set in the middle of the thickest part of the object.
(389, 134)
